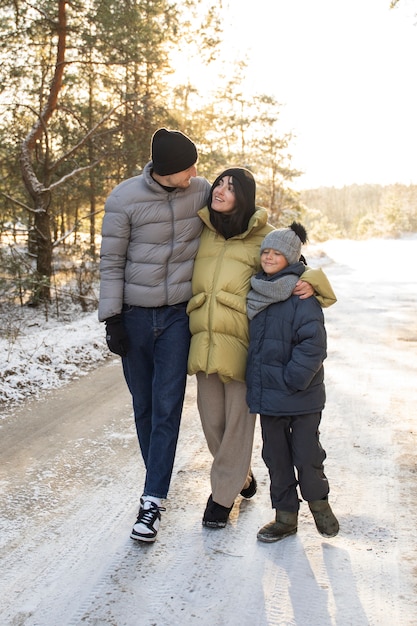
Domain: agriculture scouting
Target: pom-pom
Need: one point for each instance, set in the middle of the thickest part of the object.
(300, 231)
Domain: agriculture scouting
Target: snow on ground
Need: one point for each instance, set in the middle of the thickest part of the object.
(37, 354)
(71, 475)
(40, 352)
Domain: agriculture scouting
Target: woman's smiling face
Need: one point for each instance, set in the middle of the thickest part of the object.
(223, 197)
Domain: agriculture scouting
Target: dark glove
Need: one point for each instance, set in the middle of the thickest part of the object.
(116, 335)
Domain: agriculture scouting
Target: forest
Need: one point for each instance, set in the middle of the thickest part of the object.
(83, 87)
(359, 211)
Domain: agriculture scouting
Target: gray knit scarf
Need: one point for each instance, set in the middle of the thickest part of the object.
(265, 292)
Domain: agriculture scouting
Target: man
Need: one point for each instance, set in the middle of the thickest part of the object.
(150, 237)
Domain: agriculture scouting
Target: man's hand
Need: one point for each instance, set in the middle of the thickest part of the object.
(116, 336)
(303, 290)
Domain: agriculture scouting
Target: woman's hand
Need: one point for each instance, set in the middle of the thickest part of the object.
(303, 290)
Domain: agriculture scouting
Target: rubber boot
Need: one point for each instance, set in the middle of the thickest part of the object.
(325, 519)
(285, 524)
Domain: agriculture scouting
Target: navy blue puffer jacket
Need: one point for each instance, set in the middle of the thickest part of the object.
(285, 374)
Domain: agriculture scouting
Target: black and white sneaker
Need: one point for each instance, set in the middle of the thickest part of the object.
(147, 523)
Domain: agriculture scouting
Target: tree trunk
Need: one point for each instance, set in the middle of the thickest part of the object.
(38, 189)
(41, 291)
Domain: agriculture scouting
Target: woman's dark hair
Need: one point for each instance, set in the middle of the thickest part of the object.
(236, 222)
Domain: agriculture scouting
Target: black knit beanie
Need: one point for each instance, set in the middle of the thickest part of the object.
(172, 152)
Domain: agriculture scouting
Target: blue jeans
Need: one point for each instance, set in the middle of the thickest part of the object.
(155, 370)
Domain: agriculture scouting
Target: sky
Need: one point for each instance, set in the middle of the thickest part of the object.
(344, 71)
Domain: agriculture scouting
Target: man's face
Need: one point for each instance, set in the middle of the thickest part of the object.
(181, 180)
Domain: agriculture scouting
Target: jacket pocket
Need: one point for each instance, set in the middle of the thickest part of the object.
(232, 301)
(196, 302)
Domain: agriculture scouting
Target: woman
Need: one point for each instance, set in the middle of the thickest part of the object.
(228, 257)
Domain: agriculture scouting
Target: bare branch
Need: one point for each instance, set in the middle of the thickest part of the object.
(71, 174)
(85, 138)
(17, 202)
(75, 226)
(43, 13)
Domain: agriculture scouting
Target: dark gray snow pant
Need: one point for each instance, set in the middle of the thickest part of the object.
(293, 442)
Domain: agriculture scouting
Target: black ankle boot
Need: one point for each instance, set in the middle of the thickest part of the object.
(250, 491)
(215, 515)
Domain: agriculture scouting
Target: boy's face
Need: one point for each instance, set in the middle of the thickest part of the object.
(272, 261)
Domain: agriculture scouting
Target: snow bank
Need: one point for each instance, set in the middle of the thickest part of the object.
(37, 355)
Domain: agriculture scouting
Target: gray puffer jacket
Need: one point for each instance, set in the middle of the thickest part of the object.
(150, 237)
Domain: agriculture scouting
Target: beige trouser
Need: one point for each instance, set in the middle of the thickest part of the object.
(228, 427)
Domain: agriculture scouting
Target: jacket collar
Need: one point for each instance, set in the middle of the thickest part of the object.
(257, 221)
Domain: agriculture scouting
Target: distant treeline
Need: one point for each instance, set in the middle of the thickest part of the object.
(360, 211)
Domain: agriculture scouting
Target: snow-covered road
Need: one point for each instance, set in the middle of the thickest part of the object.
(71, 477)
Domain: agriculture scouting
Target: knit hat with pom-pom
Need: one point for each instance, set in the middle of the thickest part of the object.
(288, 241)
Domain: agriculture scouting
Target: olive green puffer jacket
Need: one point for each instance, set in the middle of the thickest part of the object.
(221, 281)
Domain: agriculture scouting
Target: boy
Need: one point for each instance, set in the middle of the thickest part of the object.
(285, 380)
